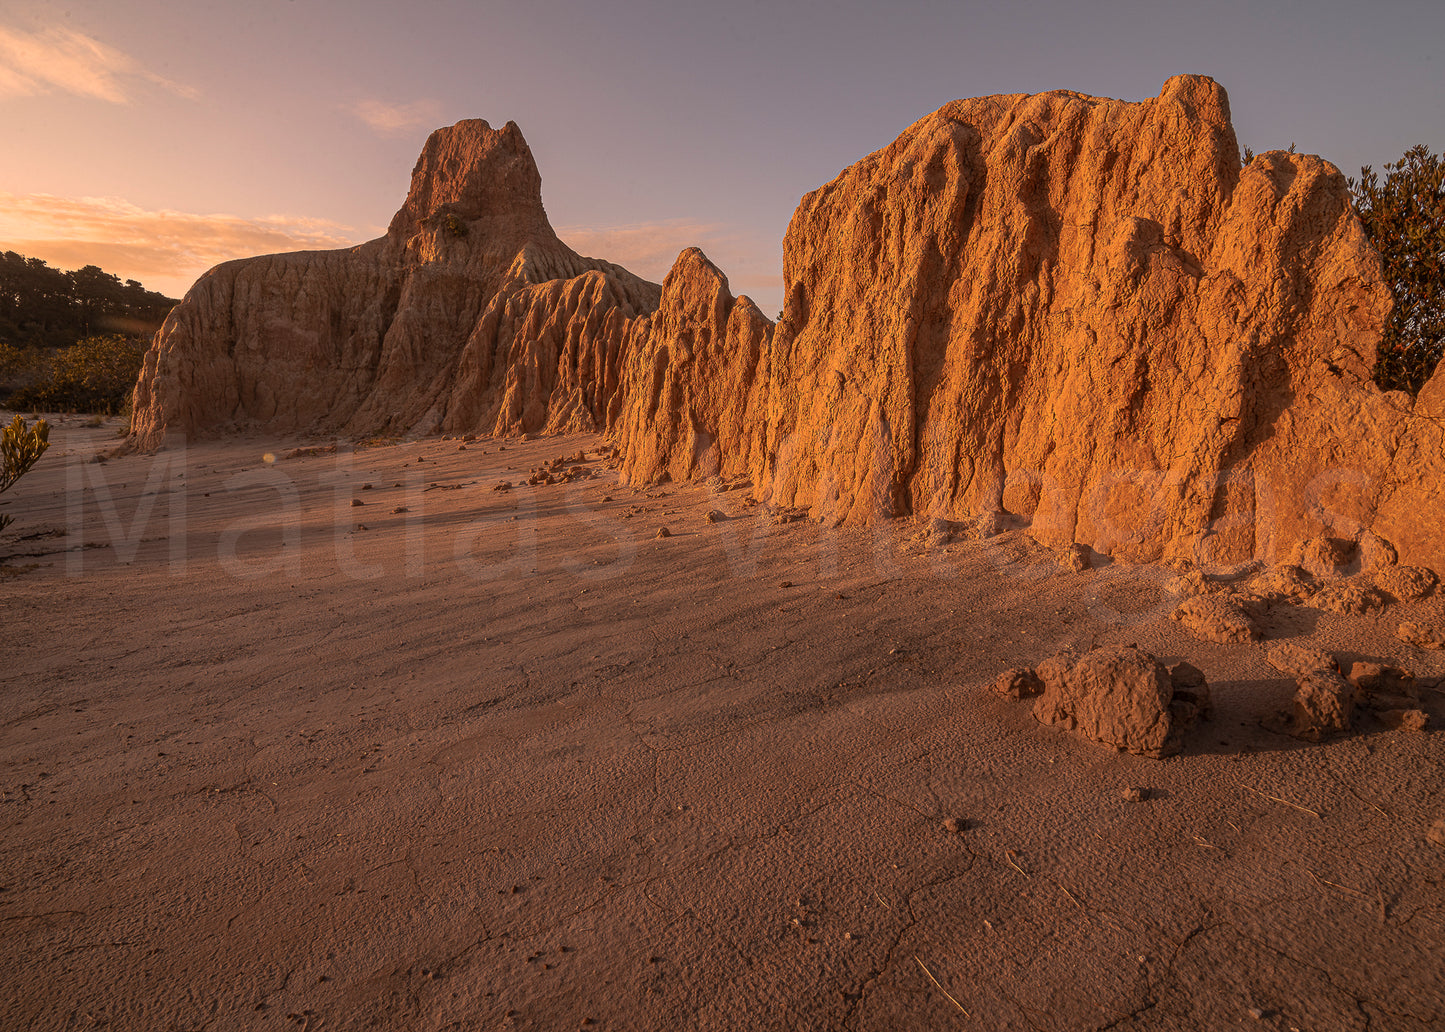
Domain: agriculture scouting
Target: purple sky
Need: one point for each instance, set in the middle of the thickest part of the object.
(158, 138)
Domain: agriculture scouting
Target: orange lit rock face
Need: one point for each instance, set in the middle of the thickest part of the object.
(1082, 312)
(694, 393)
(1079, 311)
(464, 316)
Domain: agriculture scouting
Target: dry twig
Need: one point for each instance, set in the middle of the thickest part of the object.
(1277, 799)
(944, 991)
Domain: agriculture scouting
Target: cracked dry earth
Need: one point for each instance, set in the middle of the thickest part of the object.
(506, 760)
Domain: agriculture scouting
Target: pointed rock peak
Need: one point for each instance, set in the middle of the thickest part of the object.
(694, 275)
(1200, 95)
(472, 171)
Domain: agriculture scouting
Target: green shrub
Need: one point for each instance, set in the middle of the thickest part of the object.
(20, 448)
(1404, 216)
(96, 374)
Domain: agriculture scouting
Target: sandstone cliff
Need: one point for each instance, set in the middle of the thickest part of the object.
(468, 314)
(1076, 314)
(693, 397)
(1082, 312)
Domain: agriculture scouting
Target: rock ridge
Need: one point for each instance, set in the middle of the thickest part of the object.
(392, 336)
(1079, 314)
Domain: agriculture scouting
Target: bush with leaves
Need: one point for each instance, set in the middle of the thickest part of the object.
(1404, 215)
(20, 448)
(96, 374)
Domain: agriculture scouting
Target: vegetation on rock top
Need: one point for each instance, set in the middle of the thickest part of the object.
(1404, 215)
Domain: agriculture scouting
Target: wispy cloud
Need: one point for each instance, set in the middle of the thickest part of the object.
(165, 250)
(646, 248)
(650, 248)
(62, 60)
(390, 119)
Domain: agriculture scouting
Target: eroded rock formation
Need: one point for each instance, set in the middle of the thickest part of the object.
(468, 315)
(1081, 312)
(1085, 313)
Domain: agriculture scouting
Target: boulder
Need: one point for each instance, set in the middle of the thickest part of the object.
(1122, 697)
(1323, 705)
(1222, 618)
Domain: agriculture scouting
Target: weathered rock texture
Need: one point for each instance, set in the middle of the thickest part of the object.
(469, 315)
(1080, 312)
(694, 396)
(1124, 698)
(1084, 312)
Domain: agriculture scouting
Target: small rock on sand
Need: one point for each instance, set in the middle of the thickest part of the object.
(1135, 795)
(1075, 558)
(955, 825)
(991, 524)
(1404, 719)
(1187, 584)
(1407, 583)
(1284, 583)
(1297, 660)
(1323, 705)
(1376, 553)
(1436, 835)
(1348, 598)
(1421, 636)
(1122, 697)
(715, 516)
(1018, 683)
(1218, 618)
(663, 532)
(1324, 557)
(356, 501)
(1374, 679)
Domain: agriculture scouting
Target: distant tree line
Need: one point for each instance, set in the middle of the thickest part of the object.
(41, 307)
(72, 341)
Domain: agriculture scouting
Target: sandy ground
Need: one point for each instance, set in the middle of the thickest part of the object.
(507, 760)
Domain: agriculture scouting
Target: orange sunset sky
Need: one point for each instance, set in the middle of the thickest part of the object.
(157, 139)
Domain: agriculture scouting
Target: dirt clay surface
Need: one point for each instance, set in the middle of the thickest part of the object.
(509, 759)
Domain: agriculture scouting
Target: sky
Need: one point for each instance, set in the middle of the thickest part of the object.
(156, 139)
